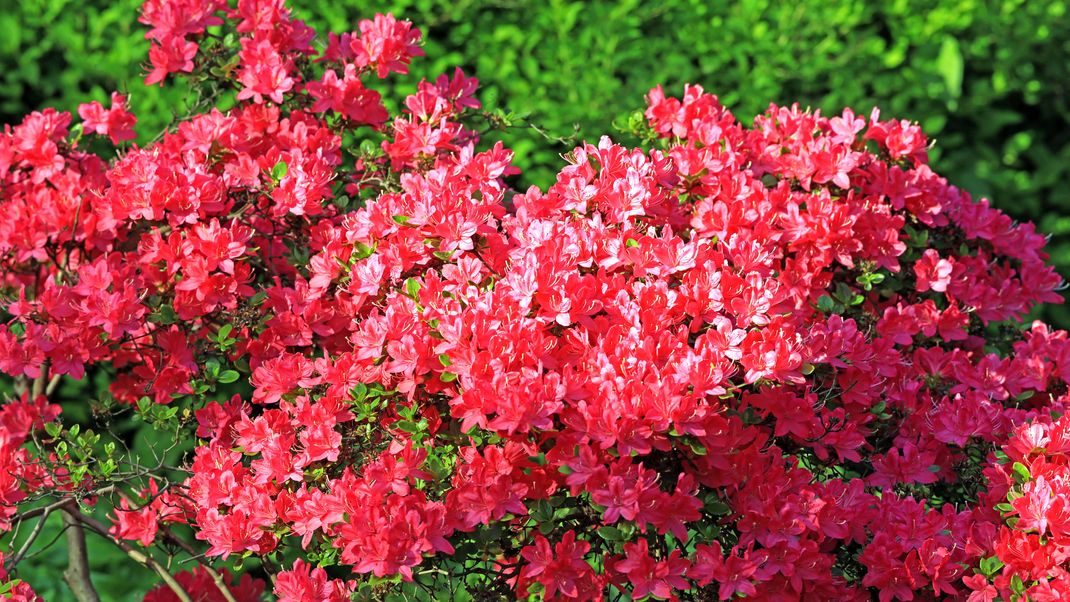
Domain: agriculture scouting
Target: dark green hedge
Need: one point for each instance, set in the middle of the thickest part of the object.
(987, 79)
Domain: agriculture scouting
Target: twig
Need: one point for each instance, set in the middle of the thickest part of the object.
(63, 531)
(77, 573)
(33, 512)
(52, 384)
(39, 383)
(29, 540)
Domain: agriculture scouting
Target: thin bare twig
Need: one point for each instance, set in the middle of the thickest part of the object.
(30, 539)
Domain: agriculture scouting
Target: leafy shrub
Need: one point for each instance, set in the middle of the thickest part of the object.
(985, 79)
(777, 359)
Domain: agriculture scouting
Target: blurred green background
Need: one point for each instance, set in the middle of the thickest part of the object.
(986, 78)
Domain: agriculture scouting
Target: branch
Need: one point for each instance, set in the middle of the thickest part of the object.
(77, 573)
(138, 556)
(39, 383)
(52, 384)
(29, 540)
(65, 501)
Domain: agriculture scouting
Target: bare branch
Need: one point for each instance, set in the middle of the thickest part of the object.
(30, 539)
(39, 383)
(52, 384)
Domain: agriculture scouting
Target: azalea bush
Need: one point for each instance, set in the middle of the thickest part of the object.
(985, 79)
(782, 361)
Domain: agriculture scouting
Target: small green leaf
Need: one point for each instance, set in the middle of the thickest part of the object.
(364, 251)
(224, 332)
(229, 376)
(990, 565)
(412, 288)
(610, 534)
(1017, 585)
(717, 507)
(280, 170)
(825, 304)
(1021, 472)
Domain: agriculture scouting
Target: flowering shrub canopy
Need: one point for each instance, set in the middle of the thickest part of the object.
(782, 361)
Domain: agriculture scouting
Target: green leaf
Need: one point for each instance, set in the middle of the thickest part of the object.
(363, 251)
(1021, 472)
(229, 376)
(825, 304)
(717, 508)
(280, 170)
(610, 534)
(990, 565)
(412, 288)
(224, 332)
(1017, 585)
(165, 314)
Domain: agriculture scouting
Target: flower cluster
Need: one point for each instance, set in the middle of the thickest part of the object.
(1029, 557)
(20, 476)
(774, 361)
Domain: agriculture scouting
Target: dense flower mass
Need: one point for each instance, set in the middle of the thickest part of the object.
(782, 361)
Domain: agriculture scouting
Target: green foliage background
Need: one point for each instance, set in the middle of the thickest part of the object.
(988, 79)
